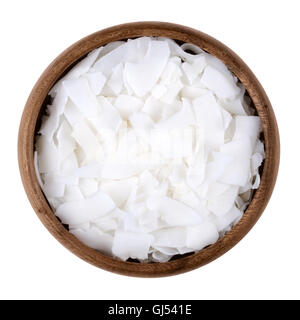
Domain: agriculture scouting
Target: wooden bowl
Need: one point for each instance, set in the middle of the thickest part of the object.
(63, 63)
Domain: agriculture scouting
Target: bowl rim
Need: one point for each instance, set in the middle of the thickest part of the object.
(131, 30)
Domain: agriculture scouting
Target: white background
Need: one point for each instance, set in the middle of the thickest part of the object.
(265, 264)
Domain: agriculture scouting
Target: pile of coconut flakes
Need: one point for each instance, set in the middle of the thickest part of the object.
(149, 149)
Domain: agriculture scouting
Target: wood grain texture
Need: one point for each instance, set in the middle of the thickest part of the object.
(131, 30)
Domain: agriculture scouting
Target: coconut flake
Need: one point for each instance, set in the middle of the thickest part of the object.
(224, 87)
(84, 65)
(96, 81)
(232, 216)
(131, 245)
(87, 140)
(130, 51)
(119, 192)
(36, 167)
(183, 118)
(170, 237)
(238, 171)
(72, 113)
(247, 127)
(66, 143)
(201, 235)
(49, 127)
(192, 70)
(95, 239)
(152, 64)
(53, 188)
(141, 121)
(47, 155)
(88, 186)
(173, 212)
(158, 256)
(109, 118)
(72, 193)
(209, 117)
(127, 105)
(115, 82)
(81, 211)
(80, 93)
(221, 204)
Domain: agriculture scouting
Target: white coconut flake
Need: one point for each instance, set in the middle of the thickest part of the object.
(149, 149)
(232, 216)
(109, 118)
(88, 186)
(87, 140)
(127, 105)
(209, 117)
(130, 51)
(48, 155)
(201, 235)
(90, 208)
(72, 193)
(223, 203)
(151, 65)
(173, 212)
(80, 93)
(170, 237)
(115, 82)
(72, 113)
(95, 239)
(84, 65)
(235, 107)
(192, 70)
(37, 171)
(53, 188)
(119, 192)
(181, 119)
(96, 81)
(131, 245)
(247, 127)
(66, 144)
(224, 87)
